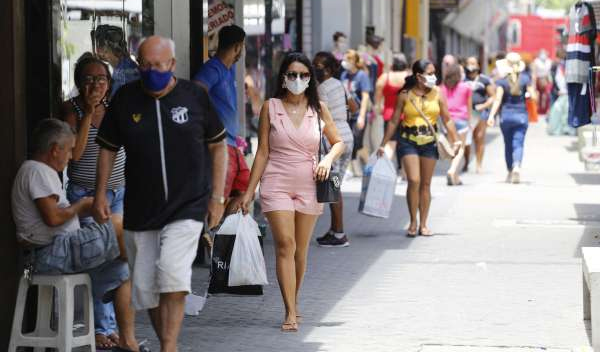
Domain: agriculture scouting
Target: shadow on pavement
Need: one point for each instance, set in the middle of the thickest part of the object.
(586, 179)
(233, 323)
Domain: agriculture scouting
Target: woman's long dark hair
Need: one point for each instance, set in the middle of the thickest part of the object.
(418, 67)
(311, 92)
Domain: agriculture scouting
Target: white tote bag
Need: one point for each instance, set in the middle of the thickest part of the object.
(378, 187)
(247, 266)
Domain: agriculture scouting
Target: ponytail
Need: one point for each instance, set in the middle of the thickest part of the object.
(513, 83)
(418, 67)
(359, 62)
(410, 82)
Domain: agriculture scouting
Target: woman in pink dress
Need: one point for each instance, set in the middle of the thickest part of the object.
(287, 168)
(458, 97)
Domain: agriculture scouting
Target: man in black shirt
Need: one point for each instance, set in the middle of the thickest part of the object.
(175, 175)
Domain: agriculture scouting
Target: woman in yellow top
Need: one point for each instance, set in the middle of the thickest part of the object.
(416, 143)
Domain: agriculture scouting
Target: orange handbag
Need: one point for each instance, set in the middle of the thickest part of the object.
(532, 111)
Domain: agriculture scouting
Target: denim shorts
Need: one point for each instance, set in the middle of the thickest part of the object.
(92, 250)
(114, 197)
(481, 115)
(462, 126)
(408, 147)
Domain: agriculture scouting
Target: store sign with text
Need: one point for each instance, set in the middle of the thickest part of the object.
(220, 14)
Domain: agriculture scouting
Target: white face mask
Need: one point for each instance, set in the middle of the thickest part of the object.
(297, 86)
(430, 80)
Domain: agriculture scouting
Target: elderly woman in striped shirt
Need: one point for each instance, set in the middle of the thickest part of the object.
(85, 113)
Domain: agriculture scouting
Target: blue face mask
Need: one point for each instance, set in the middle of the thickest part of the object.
(154, 80)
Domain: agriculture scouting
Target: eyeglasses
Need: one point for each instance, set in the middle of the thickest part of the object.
(292, 76)
(100, 79)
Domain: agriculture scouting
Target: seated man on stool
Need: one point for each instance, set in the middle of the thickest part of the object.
(48, 227)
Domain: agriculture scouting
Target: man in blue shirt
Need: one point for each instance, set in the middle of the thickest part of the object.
(217, 76)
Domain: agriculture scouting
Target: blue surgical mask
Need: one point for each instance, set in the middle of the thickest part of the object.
(155, 81)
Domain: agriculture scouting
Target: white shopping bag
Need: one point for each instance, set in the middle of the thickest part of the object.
(378, 187)
(194, 304)
(247, 266)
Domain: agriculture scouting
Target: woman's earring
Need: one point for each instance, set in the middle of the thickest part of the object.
(283, 85)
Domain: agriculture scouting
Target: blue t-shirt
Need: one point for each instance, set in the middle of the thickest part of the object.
(356, 84)
(514, 102)
(125, 72)
(220, 82)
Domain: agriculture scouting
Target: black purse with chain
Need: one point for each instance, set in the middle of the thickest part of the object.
(328, 191)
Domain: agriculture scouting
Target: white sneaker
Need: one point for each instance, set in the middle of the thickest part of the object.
(516, 175)
(509, 177)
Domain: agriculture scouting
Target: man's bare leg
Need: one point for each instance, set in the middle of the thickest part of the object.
(154, 314)
(171, 309)
(125, 317)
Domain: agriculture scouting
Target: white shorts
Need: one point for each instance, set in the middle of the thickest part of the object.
(161, 261)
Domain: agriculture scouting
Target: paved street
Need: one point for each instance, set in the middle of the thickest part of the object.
(504, 270)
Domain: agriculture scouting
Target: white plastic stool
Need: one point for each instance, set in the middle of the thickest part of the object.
(43, 336)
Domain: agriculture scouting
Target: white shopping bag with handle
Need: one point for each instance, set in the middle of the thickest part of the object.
(378, 187)
(247, 266)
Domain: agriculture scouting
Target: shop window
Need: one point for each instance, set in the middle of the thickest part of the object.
(123, 23)
(285, 37)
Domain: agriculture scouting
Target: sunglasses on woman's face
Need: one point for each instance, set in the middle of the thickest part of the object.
(292, 76)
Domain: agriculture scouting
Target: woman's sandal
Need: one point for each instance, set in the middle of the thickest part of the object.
(289, 326)
(410, 233)
(425, 233)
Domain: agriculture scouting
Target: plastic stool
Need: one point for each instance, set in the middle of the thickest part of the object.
(43, 336)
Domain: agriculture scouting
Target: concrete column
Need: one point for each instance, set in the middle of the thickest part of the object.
(325, 23)
(13, 142)
(172, 19)
(396, 27)
(424, 28)
(357, 29)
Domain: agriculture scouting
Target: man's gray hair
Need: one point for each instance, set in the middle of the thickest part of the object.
(169, 42)
(50, 132)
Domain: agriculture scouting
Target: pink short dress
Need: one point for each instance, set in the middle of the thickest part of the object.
(287, 183)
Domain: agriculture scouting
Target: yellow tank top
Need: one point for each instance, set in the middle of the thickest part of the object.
(429, 105)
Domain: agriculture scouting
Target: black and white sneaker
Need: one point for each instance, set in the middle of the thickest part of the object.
(327, 234)
(329, 240)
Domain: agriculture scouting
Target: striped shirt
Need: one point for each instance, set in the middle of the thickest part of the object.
(83, 171)
(332, 93)
(579, 50)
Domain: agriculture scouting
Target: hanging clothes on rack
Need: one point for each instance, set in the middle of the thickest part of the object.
(580, 57)
(595, 4)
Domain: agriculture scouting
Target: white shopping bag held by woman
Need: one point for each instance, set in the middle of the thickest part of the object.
(378, 187)
(247, 266)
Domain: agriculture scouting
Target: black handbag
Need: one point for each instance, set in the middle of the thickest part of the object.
(328, 191)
